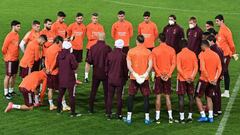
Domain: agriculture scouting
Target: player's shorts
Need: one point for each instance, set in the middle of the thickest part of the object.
(28, 96)
(134, 86)
(204, 88)
(52, 82)
(78, 55)
(162, 87)
(183, 87)
(36, 65)
(11, 67)
(24, 71)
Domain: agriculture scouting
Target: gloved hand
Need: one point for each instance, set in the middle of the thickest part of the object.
(145, 75)
(235, 56)
(135, 75)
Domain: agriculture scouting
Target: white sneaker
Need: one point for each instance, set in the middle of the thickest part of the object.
(66, 108)
(225, 94)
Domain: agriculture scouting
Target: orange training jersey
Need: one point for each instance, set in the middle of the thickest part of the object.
(122, 30)
(50, 36)
(187, 64)
(30, 36)
(10, 48)
(210, 65)
(225, 40)
(164, 59)
(92, 33)
(33, 80)
(78, 31)
(31, 54)
(139, 57)
(150, 32)
(51, 57)
(59, 29)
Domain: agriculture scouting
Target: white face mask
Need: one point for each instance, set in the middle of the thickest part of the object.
(171, 22)
(191, 26)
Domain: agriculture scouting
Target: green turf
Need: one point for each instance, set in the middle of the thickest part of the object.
(42, 121)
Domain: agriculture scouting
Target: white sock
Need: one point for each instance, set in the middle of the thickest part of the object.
(210, 114)
(64, 103)
(16, 106)
(50, 102)
(5, 92)
(129, 115)
(76, 76)
(190, 115)
(157, 115)
(202, 113)
(147, 116)
(170, 114)
(226, 91)
(181, 116)
(86, 75)
(10, 90)
(36, 99)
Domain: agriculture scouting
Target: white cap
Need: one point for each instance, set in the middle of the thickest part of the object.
(66, 45)
(119, 43)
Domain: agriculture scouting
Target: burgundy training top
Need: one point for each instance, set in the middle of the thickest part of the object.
(194, 36)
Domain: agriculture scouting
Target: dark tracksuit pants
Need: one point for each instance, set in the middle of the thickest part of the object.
(217, 98)
(111, 91)
(92, 97)
(71, 92)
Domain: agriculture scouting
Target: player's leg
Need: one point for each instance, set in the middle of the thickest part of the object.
(119, 101)
(95, 85)
(6, 87)
(60, 98)
(105, 90)
(226, 78)
(110, 100)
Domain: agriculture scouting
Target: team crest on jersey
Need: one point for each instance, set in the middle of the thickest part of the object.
(174, 31)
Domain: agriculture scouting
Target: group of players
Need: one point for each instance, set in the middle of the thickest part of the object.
(51, 58)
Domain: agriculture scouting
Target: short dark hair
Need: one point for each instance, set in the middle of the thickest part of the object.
(183, 43)
(212, 31)
(35, 22)
(210, 23)
(194, 19)
(79, 14)
(121, 12)
(212, 38)
(47, 20)
(173, 16)
(14, 23)
(44, 37)
(58, 39)
(219, 17)
(61, 14)
(140, 38)
(146, 14)
(205, 42)
(162, 37)
(94, 14)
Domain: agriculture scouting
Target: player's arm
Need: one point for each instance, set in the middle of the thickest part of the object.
(203, 67)
(73, 62)
(139, 30)
(195, 70)
(44, 86)
(155, 67)
(130, 30)
(219, 69)
(155, 31)
(36, 53)
(230, 42)
(179, 67)
(113, 32)
(173, 64)
(24, 42)
(6, 43)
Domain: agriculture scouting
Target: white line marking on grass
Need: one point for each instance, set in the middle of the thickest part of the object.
(228, 108)
(172, 9)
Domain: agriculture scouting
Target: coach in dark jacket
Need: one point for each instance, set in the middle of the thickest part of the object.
(67, 64)
(117, 72)
(97, 57)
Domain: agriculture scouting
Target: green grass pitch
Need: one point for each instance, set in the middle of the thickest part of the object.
(41, 121)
